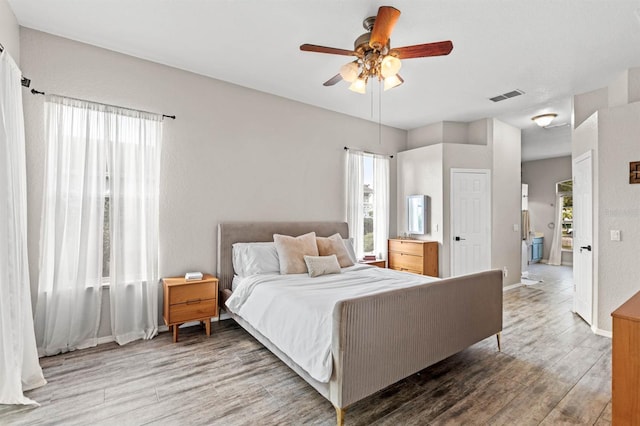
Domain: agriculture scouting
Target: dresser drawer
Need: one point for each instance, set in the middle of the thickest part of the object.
(193, 310)
(407, 270)
(408, 247)
(402, 261)
(191, 292)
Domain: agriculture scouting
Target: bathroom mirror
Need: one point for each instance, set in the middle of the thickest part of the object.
(417, 214)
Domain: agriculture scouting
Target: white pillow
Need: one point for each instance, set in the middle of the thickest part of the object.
(348, 242)
(255, 258)
(322, 265)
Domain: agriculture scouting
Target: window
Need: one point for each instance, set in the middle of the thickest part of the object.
(565, 190)
(368, 202)
(100, 211)
(567, 222)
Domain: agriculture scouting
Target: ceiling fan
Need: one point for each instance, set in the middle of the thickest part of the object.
(374, 56)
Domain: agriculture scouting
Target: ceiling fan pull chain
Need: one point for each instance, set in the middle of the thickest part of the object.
(379, 112)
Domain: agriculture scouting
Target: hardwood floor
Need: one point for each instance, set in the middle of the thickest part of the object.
(552, 370)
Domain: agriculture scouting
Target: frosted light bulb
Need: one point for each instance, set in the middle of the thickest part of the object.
(349, 72)
(392, 81)
(359, 86)
(390, 66)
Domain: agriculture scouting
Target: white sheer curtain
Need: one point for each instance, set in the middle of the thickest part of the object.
(19, 367)
(355, 196)
(134, 156)
(380, 206)
(87, 143)
(555, 255)
(70, 283)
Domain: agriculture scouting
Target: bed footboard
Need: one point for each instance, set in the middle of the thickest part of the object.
(383, 338)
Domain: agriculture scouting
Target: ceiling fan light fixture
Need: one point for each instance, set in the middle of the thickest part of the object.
(392, 81)
(349, 72)
(543, 120)
(359, 86)
(390, 66)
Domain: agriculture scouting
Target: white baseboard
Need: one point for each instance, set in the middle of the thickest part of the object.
(512, 286)
(600, 332)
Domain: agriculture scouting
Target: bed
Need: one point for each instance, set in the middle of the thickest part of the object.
(378, 339)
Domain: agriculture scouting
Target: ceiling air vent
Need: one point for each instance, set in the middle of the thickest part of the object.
(507, 95)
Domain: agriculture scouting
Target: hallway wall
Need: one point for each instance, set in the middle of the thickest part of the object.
(542, 176)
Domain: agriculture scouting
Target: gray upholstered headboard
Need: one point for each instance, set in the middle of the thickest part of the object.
(249, 232)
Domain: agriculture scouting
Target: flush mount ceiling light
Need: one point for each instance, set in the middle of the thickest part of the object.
(543, 120)
(375, 57)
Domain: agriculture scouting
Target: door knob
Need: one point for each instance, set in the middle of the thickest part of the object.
(586, 248)
(459, 239)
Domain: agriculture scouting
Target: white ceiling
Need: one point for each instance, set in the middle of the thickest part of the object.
(550, 49)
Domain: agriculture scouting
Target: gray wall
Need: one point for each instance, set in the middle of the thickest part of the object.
(9, 31)
(420, 173)
(611, 132)
(232, 154)
(506, 242)
(542, 176)
(484, 144)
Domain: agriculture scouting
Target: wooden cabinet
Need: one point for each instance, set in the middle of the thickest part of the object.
(626, 363)
(420, 257)
(185, 301)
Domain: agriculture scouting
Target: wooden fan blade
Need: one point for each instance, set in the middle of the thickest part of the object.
(439, 48)
(383, 26)
(333, 80)
(324, 49)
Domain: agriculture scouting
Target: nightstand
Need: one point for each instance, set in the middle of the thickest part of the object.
(193, 300)
(378, 262)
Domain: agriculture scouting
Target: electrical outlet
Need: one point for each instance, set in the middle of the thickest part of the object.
(505, 272)
(516, 227)
(615, 235)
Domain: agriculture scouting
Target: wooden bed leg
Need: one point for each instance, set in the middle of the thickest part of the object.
(340, 416)
(499, 337)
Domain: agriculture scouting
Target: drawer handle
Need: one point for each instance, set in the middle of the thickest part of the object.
(193, 301)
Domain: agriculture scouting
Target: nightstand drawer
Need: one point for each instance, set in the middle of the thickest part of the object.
(190, 292)
(192, 310)
(406, 246)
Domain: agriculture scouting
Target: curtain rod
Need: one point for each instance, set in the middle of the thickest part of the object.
(346, 148)
(173, 117)
(24, 81)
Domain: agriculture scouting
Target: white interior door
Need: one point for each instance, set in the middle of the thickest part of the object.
(470, 221)
(583, 237)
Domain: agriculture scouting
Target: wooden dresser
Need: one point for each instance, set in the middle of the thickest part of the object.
(625, 381)
(185, 301)
(419, 257)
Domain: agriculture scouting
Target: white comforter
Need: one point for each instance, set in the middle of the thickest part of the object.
(295, 312)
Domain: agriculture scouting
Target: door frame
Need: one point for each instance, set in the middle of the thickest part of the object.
(488, 194)
(594, 313)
